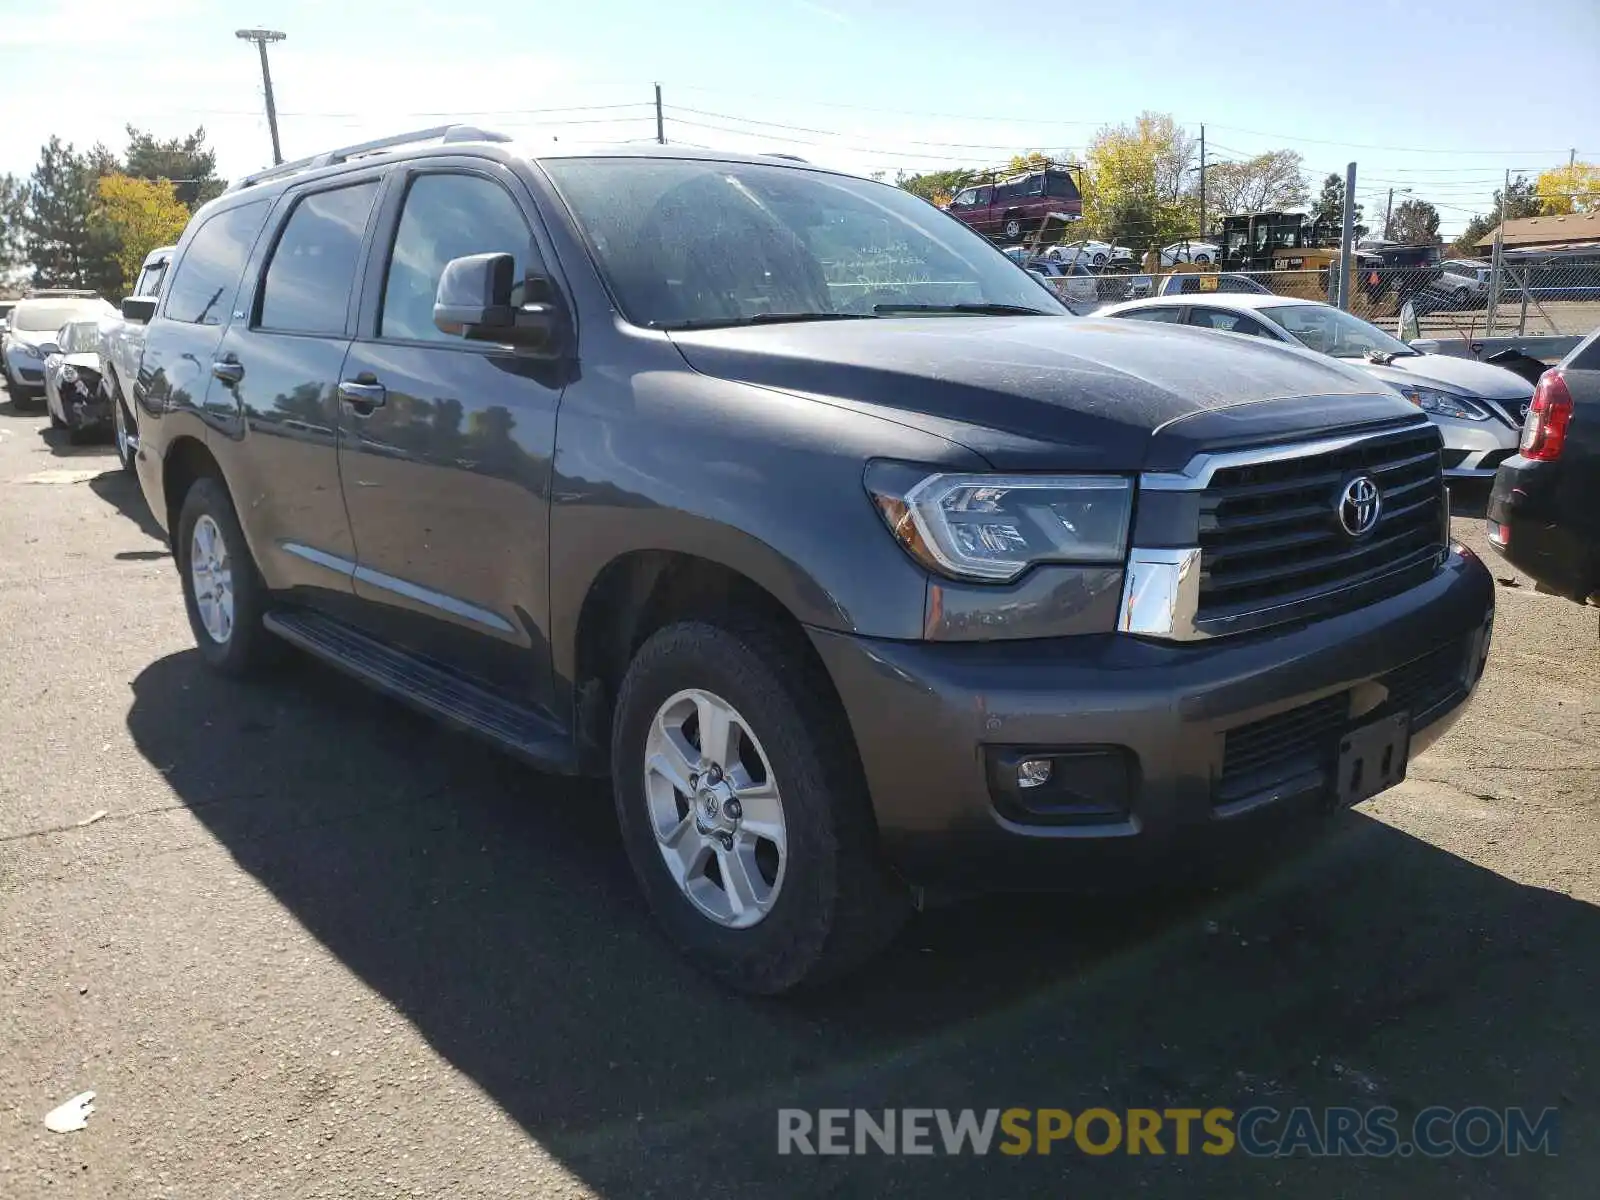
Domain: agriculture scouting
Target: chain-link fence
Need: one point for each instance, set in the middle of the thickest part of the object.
(1528, 295)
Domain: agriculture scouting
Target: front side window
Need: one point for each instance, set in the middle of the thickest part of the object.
(1225, 322)
(445, 217)
(1332, 331)
(313, 267)
(682, 242)
(206, 280)
(966, 199)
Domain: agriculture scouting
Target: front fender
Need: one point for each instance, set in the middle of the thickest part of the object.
(765, 484)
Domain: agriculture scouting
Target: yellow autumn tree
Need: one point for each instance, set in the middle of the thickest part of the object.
(142, 214)
(1569, 189)
(1140, 187)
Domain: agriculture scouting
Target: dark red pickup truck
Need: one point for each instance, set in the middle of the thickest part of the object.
(1015, 207)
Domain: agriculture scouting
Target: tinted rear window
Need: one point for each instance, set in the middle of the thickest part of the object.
(203, 287)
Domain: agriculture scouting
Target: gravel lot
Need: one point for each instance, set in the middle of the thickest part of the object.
(302, 943)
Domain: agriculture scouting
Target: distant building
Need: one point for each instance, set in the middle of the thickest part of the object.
(1578, 232)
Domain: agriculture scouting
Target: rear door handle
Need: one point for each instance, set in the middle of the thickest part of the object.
(227, 370)
(363, 397)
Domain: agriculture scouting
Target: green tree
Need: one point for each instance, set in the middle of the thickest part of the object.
(1329, 206)
(62, 240)
(13, 213)
(936, 186)
(142, 214)
(1415, 223)
(1521, 199)
(186, 161)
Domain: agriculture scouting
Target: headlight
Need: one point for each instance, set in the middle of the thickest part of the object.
(28, 351)
(69, 374)
(1444, 404)
(994, 527)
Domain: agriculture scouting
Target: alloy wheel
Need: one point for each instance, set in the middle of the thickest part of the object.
(715, 808)
(211, 575)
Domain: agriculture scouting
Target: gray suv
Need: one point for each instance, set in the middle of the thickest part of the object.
(865, 571)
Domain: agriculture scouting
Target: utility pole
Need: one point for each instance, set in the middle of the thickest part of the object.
(1572, 157)
(1202, 181)
(261, 37)
(661, 125)
(1347, 242)
(1388, 210)
(1497, 266)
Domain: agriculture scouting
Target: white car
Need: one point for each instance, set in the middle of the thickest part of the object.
(1195, 252)
(31, 336)
(1478, 408)
(1096, 254)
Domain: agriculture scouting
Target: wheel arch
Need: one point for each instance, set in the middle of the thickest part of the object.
(641, 591)
(185, 460)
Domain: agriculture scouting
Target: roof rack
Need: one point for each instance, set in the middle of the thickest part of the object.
(445, 134)
(781, 154)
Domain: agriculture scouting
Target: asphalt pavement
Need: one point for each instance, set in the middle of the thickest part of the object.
(300, 942)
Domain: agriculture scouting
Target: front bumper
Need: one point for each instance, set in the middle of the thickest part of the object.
(1474, 449)
(25, 373)
(1533, 519)
(1147, 736)
(83, 404)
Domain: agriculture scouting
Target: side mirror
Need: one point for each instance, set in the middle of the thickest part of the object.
(474, 301)
(139, 309)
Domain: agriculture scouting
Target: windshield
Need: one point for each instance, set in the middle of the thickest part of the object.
(47, 316)
(682, 243)
(1327, 329)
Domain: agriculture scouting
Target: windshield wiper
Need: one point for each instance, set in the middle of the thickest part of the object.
(980, 310)
(761, 319)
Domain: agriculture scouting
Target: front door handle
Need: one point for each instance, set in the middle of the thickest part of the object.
(363, 396)
(227, 370)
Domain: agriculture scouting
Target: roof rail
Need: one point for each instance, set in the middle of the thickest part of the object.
(781, 154)
(328, 158)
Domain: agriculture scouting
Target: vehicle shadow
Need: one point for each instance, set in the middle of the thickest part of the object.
(62, 445)
(121, 490)
(492, 907)
(1470, 497)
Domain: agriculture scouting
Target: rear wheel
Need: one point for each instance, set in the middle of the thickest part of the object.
(120, 425)
(222, 590)
(744, 811)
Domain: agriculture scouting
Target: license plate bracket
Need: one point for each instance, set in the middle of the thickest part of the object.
(1372, 757)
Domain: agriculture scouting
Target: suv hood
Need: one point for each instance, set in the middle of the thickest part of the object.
(1028, 392)
(32, 337)
(1464, 375)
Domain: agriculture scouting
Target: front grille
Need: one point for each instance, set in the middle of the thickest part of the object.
(1428, 681)
(1276, 748)
(1270, 535)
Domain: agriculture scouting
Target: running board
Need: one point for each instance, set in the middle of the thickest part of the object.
(425, 685)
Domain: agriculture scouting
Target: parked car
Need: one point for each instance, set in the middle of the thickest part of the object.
(1190, 252)
(1095, 253)
(857, 593)
(1194, 283)
(121, 342)
(1478, 408)
(1544, 511)
(72, 392)
(5, 316)
(1014, 207)
(1465, 283)
(35, 321)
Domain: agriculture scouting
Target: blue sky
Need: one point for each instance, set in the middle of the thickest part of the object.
(1437, 97)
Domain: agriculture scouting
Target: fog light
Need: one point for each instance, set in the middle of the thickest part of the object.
(1033, 772)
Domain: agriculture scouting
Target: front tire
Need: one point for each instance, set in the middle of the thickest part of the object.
(783, 887)
(222, 590)
(1012, 229)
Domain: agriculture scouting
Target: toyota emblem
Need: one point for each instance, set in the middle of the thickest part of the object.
(1360, 505)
